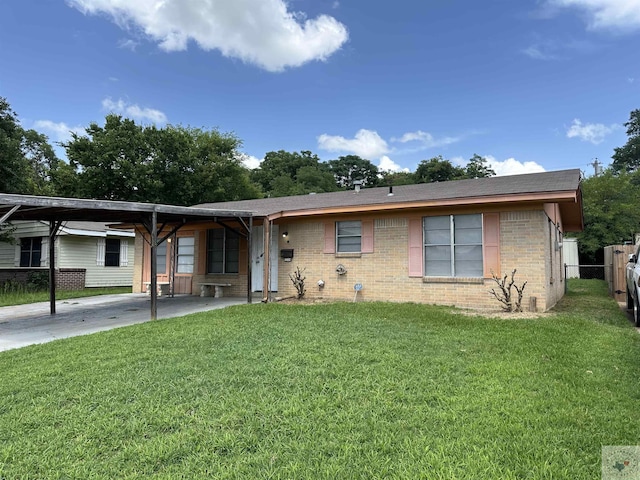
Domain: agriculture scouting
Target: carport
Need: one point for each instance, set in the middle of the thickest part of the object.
(153, 218)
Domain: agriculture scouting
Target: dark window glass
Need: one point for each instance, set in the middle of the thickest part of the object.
(30, 252)
(112, 252)
(223, 251)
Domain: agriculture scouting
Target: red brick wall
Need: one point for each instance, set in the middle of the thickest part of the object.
(70, 278)
(66, 278)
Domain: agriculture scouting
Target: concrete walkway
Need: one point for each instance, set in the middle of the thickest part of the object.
(23, 325)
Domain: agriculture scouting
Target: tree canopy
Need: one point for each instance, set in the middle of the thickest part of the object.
(627, 157)
(478, 167)
(27, 160)
(285, 173)
(26, 157)
(611, 212)
(352, 168)
(174, 165)
(437, 169)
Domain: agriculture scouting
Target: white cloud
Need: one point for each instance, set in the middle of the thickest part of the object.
(250, 161)
(606, 14)
(589, 132)
(388, 165)
(426, 139)
(540, 52)
(128, 44)
(134, 111)
(366, 143)
(260, 32)
(511, 166)
(59, 131)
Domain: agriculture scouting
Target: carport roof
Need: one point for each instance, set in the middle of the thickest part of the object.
(63, 209)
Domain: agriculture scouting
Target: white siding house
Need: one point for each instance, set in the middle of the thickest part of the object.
(105, 254)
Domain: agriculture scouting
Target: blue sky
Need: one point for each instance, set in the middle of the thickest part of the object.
(531, 85)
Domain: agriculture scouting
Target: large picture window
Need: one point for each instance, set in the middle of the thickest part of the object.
(223, 251)
(30, 251)
(453, 246)
(348, 236)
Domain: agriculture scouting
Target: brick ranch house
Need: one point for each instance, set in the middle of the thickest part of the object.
(432, 243)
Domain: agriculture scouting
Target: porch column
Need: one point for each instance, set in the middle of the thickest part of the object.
(266, 278)
(249, 259)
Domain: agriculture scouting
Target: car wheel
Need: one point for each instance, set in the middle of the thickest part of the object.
(636, 312)
(629, 300)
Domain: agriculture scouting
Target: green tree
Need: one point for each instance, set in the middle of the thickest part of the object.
(627, 157)
(611, 208)
(438, 169)
(351, 167)
(174, 165)
(113, 160)
(42, 163)
(314, 179)
(398, 178)
(26, 160)
(14, 168)
(478, 167)
(285, 173)
(218, 172)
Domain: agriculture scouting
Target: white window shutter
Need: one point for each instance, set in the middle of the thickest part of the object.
(124, 253)
(100, 252)
(44, 253)
(16, 260)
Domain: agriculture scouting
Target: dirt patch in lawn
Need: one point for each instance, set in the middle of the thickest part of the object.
(470, 312)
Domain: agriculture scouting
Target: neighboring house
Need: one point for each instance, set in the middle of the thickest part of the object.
(435, 243)
(88, 254)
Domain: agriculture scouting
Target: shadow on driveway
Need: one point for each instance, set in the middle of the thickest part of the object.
(23, 325)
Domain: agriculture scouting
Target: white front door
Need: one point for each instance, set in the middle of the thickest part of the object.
(257, 257)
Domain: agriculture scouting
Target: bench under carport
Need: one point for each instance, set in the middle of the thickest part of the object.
(207, 287)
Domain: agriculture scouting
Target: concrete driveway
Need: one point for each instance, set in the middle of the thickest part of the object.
(23, 325)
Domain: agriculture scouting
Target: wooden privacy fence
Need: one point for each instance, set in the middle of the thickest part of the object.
(615, 262)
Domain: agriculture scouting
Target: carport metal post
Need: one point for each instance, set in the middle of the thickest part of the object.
(154, 266)
(249, 259)
(54, 226)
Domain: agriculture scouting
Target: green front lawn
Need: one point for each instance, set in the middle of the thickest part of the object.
(335, 391)
(24, 297)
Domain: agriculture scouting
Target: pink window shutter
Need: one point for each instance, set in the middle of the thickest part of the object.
(491, 244)
(415, 247)
(367, 236)
(329, 237)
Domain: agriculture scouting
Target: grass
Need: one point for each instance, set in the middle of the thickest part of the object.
(25, 297)
(348, 390)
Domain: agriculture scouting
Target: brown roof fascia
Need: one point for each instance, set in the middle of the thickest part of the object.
(568, 196)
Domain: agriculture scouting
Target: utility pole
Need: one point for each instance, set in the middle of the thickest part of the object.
(597, 166)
